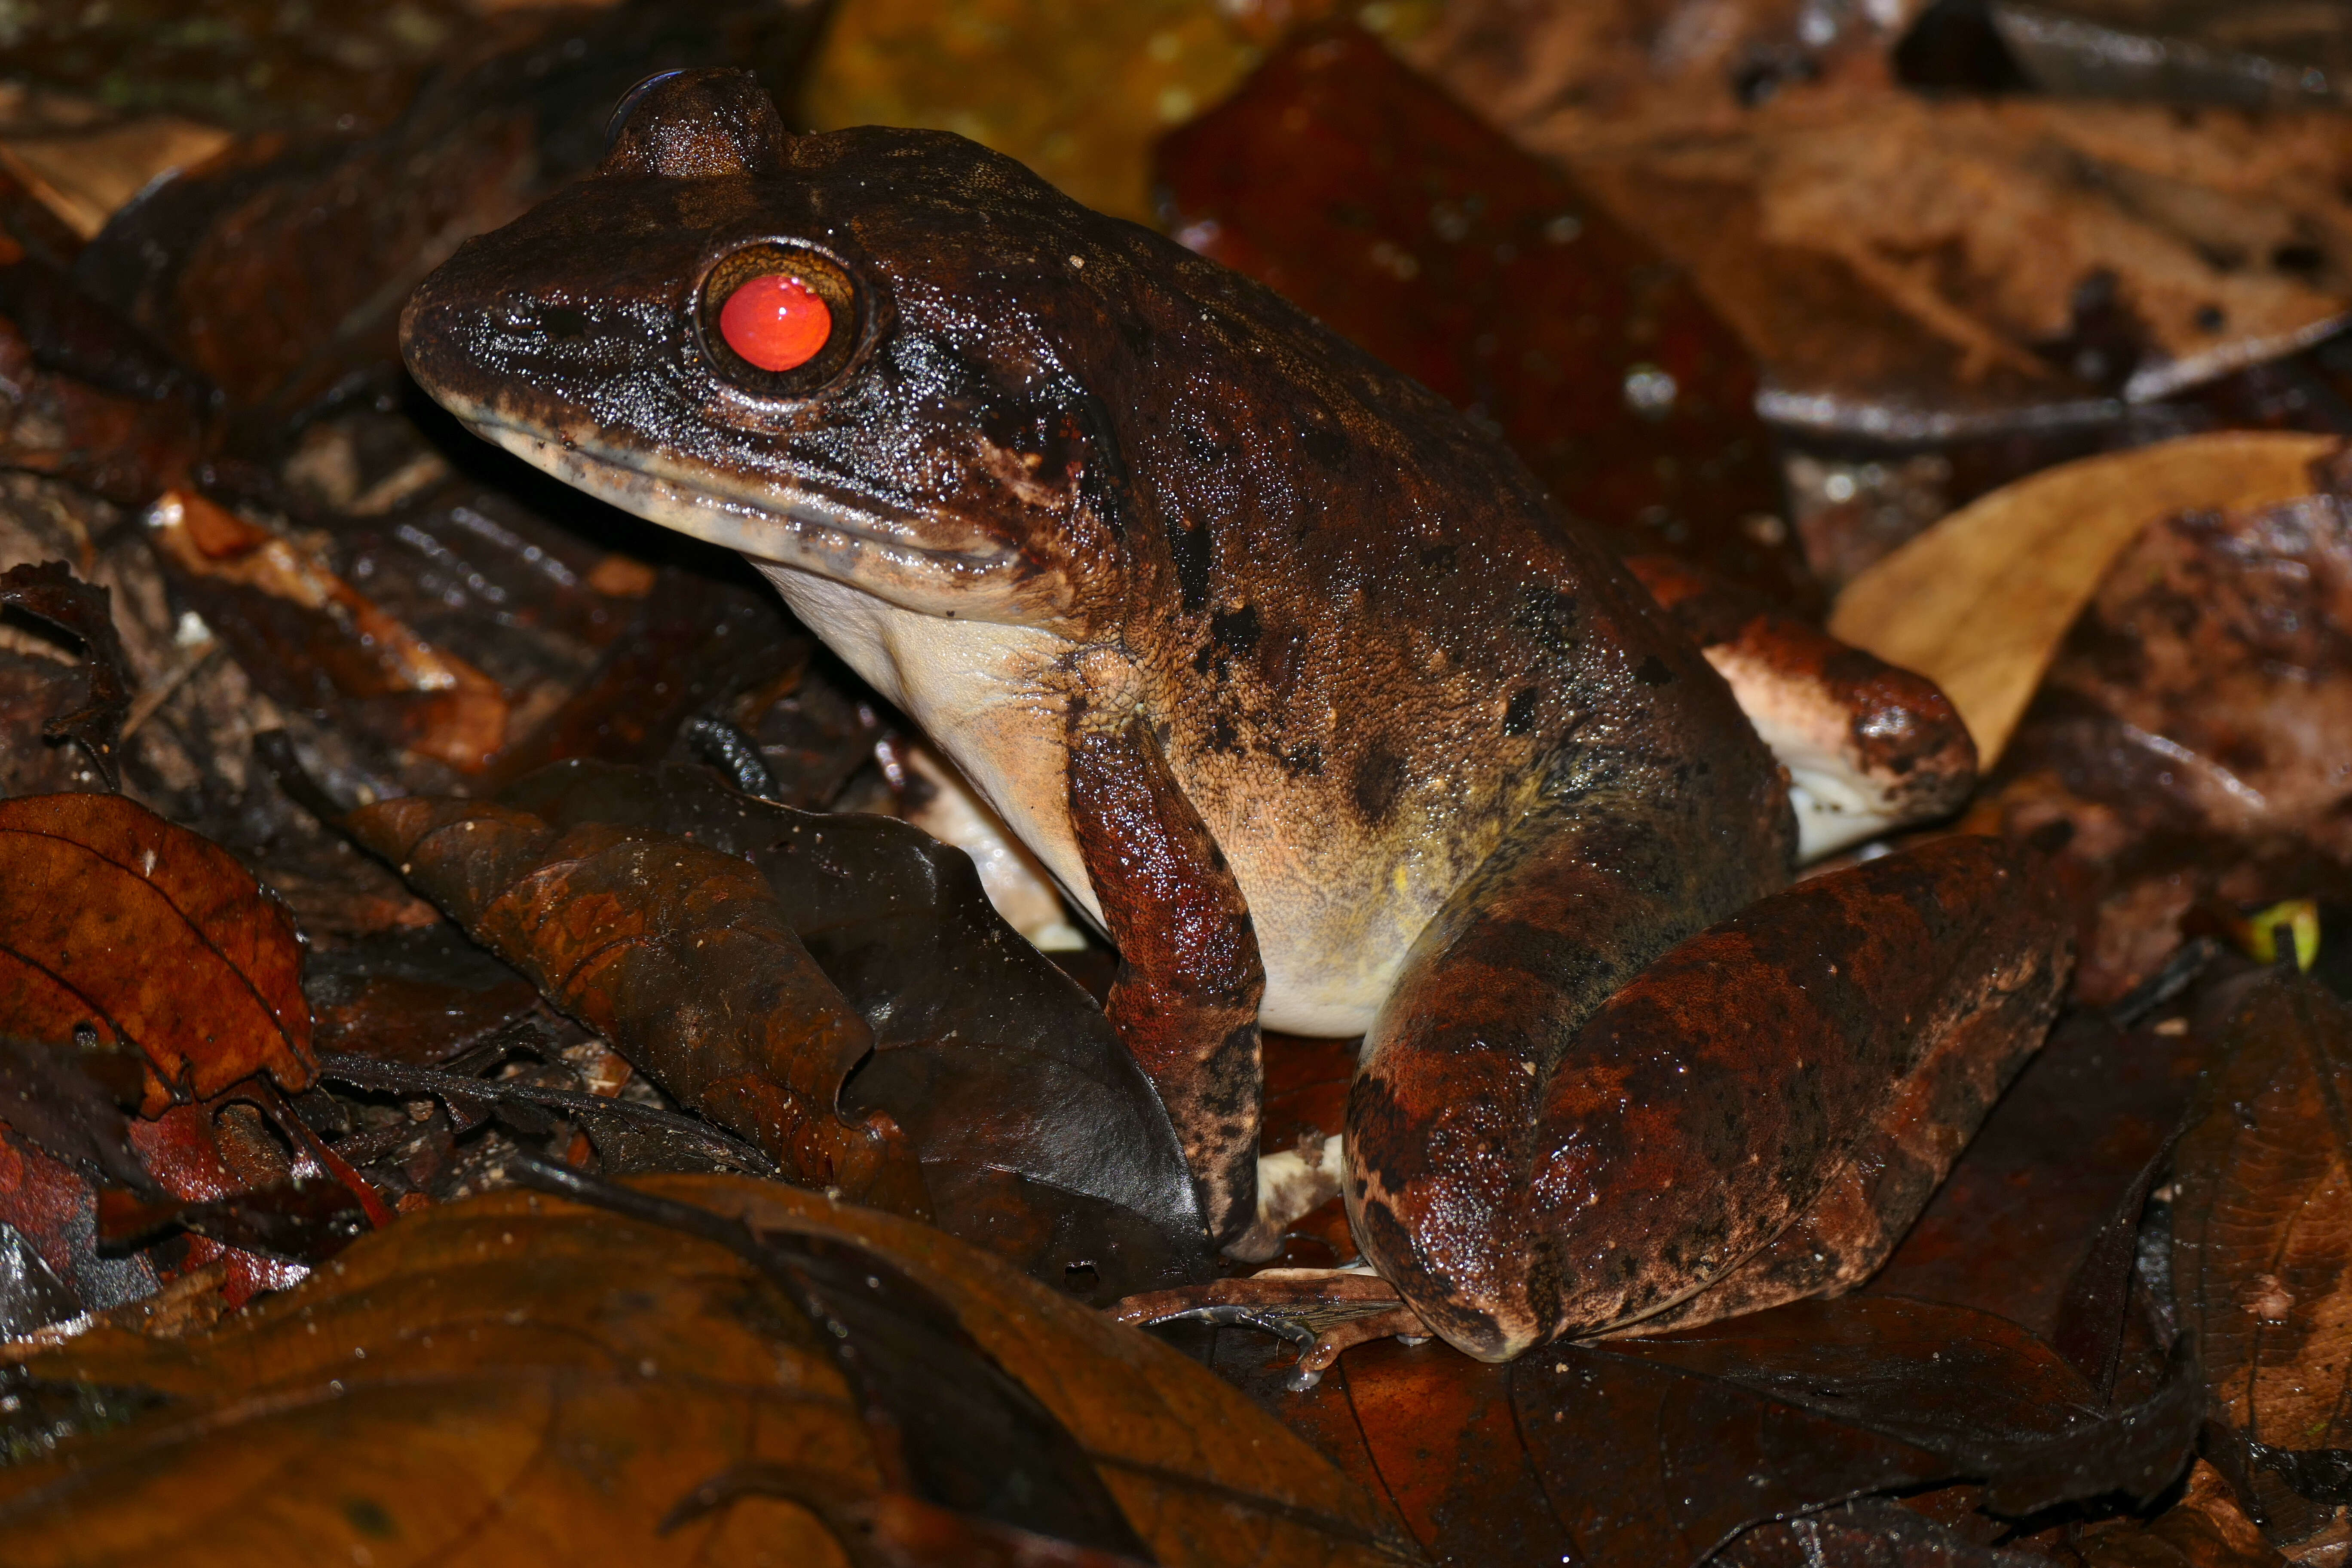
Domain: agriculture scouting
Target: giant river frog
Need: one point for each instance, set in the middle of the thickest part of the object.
(1310, 696)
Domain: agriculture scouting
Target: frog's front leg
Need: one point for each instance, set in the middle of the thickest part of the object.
(1757, 1117)
(1186, 997)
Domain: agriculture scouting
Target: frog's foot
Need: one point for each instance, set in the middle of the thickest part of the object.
(1868, 747)
(1758, 1115)
(1290, 1186)
(1321, 1310)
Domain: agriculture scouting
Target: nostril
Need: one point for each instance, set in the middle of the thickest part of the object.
(564, 324)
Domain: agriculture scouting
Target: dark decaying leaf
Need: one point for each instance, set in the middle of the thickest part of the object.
(115, 921)
(31, 1296)
(2263, 1248)
(2206, 1528)
(678, 954)
(1040, 1139)
(49, 1098)
(520, 1378)
(1369, 197)
(1871, 1534)
(84, 395)
(419, 997)
(690, 643)
(2033, 1210)
(946, 1423)
(311, 641)
(297, 1220)
(54, 1209)
(1650, 1453)
(48, 591)
(629, 1137)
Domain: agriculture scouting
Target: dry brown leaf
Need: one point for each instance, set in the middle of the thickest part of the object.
(84, 177)
(2261, 1254)
(438, 704)
(1907, 266)
(517, 1379)
(1979, 602)
(114, 920)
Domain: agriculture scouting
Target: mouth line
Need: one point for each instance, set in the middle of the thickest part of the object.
(813, 530)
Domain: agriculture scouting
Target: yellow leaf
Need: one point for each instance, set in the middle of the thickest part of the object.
(1979, 603)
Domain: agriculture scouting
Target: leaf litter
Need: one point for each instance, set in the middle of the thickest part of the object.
(432, 647)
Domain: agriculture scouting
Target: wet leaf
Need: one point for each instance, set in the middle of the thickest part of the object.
(1979, 602)
(50, 591)
(2206, 1528)
(31, 1296)
(629, 1137)
(49, 1097)
(674, 952)
(312, 641)
(2207, 685)
(114, 920)
(478, 1383)
(420, 997)
(63, 409)
(296, 1221)
(52, 1207)
(1871, 1534)
(1039, 1138)
(1649, 1453)
(1371, 199)
(2263, 1241)
(689, 644)
(2027, 1204)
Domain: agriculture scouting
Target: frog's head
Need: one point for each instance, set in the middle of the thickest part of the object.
(861, 354)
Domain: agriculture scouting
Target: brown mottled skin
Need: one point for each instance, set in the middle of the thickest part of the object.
(1292, 676)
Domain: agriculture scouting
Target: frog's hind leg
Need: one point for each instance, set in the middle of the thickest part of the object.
(1618, 863)
(1757, 1117)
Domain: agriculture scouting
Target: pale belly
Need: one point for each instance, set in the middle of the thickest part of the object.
(1333, 924)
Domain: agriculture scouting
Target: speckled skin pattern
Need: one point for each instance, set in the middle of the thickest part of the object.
(1290, 674)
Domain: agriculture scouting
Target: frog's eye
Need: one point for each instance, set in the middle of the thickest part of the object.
(777, 320)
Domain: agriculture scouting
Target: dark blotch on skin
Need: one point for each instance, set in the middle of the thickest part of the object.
(1237, 630)
(1653, 672)
(1520, 717)
(1190, 549)
(1327, 447)
(1380, 779)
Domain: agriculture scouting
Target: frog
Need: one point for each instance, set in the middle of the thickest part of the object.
(1318, 707)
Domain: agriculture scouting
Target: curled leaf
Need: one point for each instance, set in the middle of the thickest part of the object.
(50, 591)
(518, 1378)
(678, 955)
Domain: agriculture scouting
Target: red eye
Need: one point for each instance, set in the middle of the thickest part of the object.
(775, 322)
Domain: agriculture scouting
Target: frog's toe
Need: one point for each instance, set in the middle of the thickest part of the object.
(1868, 747)
(1291, 1185)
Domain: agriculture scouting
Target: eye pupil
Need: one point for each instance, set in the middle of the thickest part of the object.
(775, 322)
